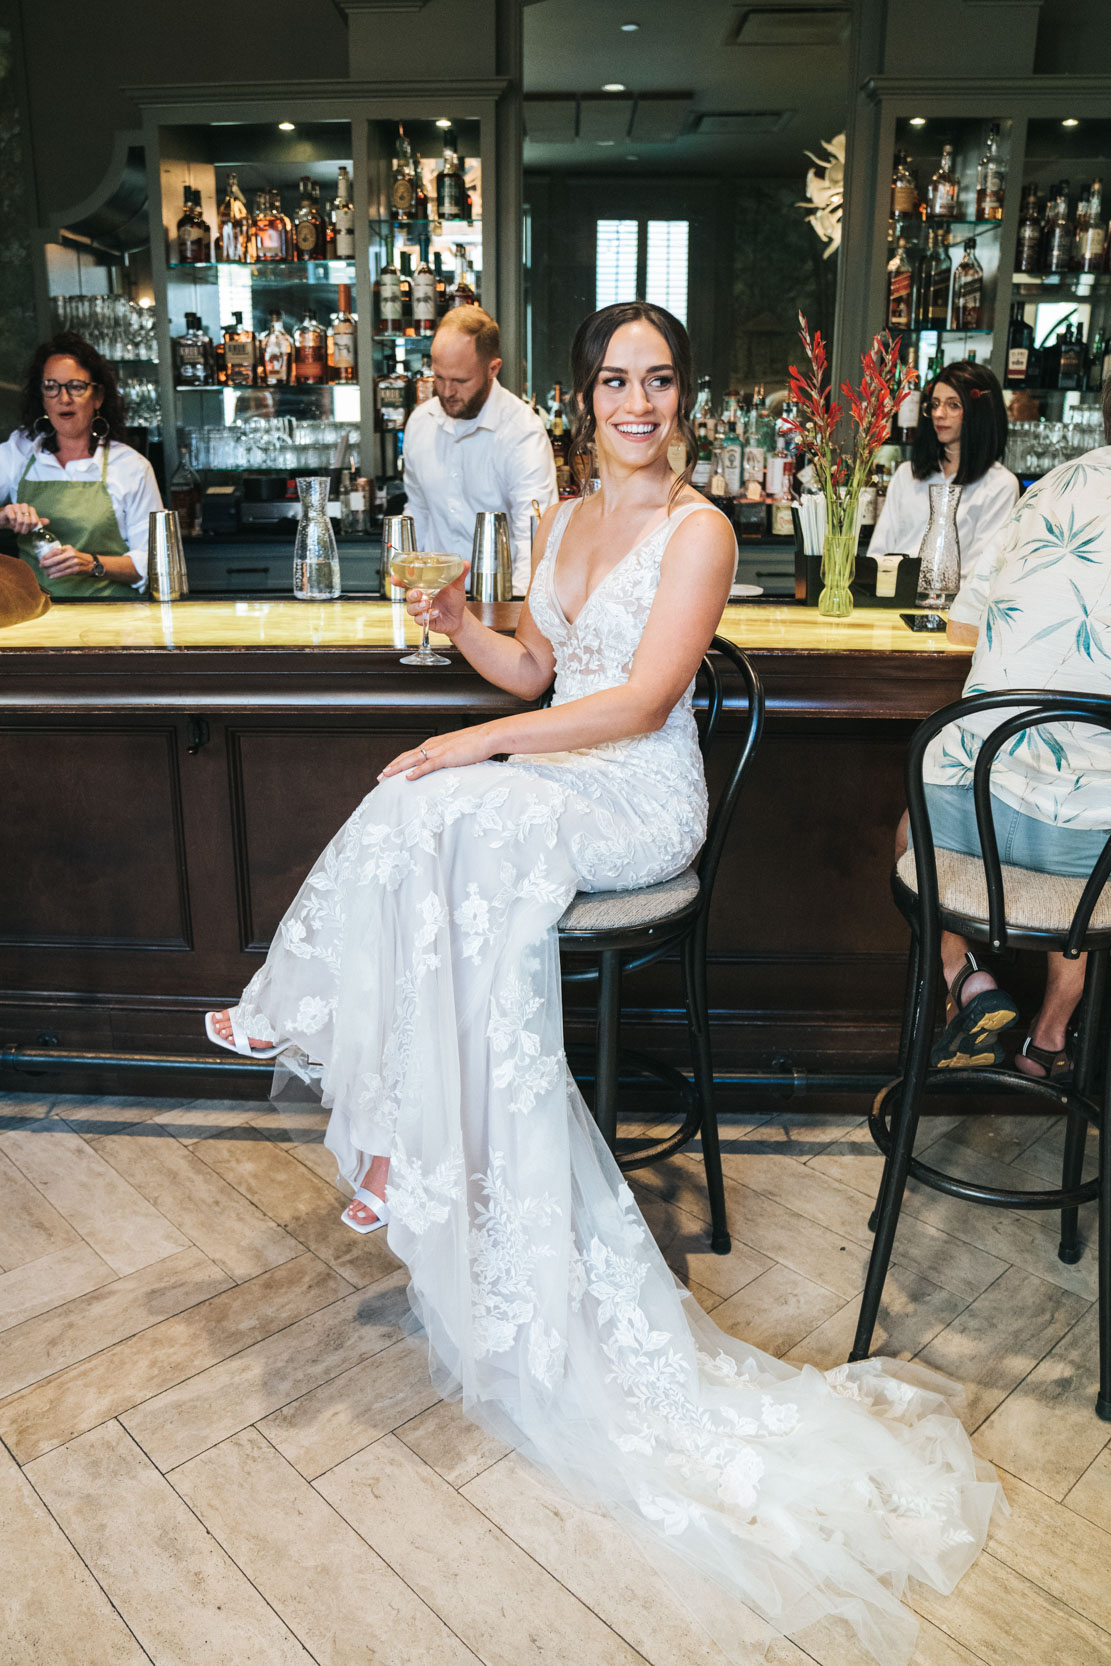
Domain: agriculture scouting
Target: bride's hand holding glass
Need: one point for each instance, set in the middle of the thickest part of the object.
(434, 595)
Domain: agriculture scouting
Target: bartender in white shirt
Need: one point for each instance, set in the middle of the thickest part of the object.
(68, 468)
(961, 435)
(475, 446)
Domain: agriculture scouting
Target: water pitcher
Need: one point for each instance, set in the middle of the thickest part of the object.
(315, 557)
(940, 551)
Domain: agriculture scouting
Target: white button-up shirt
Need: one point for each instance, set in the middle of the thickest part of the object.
(1041, 599)
(982, 512)
(455, 469)
(129, 479)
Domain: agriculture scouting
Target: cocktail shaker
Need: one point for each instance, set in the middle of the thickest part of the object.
(399, 537)
(166, 573)
(491, 575)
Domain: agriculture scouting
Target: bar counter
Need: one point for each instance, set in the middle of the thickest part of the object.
(170, 771)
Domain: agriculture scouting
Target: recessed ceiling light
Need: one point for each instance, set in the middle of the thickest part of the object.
(443, 121)
(613, 86)
(632, 158)
(1070, 121)
(605, 141)
(918, 121)
(287, 126)
(629, 28)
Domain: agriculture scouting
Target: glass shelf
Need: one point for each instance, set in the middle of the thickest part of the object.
(1080, 283)
(262, 387)
(276, 273)
(932, 221)
(414, 229)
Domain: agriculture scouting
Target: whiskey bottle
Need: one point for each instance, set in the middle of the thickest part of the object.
(234, 224)
(268, 232)
(1057, 254)
(403, 187)
(921, 288)
(1092, 248)
(424, 296)
(451, 190)
(420, 196)
(286, 224)
(991, 177)
(560, 442)
(343, 219)
(341, 340)
(194, 360)
(405, 262)
(754, 458)
(1080, 228)
(1071, 365)
(187, 497)
(387, 288)
(1099, 364)
(463, 294)
(1029, 246)
(328, 230)
(938, 281)
(944, 189)
(276, 353)
(240, 354)
(424, 386)
(899, 275)
(441, 284)
(391, 395)
(968, 291)
(192, 240)
(308, 349)
(904, 192)
(734, 457)
(910, 405)
(1020, 339)
(308, 227)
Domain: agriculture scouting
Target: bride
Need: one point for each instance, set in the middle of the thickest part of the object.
(418, 969)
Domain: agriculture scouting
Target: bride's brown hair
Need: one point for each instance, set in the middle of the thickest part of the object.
(588, 355)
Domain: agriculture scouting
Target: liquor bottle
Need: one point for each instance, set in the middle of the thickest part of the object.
(192, 233)
(943, 191)
(268, 231)
(403, 186)
(1020, 339)
(1093, 246)
(463, 294)
(424, 386)
(899, 276)
(227, 331)
(991, 178)
(343, 218)
(309, 349)
(234, 224)
(391, 394)
(1080, 228)
(441, 284)
(424, 296)
(275, 366)
(968, 290)
(328, 230)
(702, 409)
(717, 487)
(187, 497)
(240, 354)
(904, 192)
(289, 242)
(779, 478)
(190, 369)
(1028, 250)
(560, 441)
(405, 262)
(421, 214)
(451, 189)
(734, 456)
(938, 281)
(909, 407)
(754, 456)
(1070, 358)
(387, 289)
(921, 286)
(703, 467)
(1099, 364)
(1057, 256)
(308, 226)
(341, 340)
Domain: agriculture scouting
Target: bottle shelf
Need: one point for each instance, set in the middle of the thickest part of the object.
(391, 339)
(1065, 285)
(260, 387)
(931, 222)
(413, 230)
(270, 272)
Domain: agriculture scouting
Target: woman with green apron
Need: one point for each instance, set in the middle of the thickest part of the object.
(68, 469)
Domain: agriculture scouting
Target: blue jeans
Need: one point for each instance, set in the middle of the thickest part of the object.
(1024, 841)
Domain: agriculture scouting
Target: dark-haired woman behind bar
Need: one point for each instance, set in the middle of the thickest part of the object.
(68, 467)
(960, 438)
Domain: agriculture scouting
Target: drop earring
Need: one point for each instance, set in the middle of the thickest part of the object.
(102, 432)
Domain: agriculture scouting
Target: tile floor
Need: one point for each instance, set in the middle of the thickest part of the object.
(219, 1445)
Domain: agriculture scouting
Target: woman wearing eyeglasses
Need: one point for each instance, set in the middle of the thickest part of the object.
(961, 437)
(68, 467)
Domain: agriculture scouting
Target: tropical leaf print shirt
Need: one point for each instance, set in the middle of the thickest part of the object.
(1041, 599)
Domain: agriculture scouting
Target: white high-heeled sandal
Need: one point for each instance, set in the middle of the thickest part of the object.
(379, 1205)
(240, 1041)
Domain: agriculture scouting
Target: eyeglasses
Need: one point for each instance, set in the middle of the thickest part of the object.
(75, 389)
(943, 405)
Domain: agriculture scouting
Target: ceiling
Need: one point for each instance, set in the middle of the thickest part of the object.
(712, 86)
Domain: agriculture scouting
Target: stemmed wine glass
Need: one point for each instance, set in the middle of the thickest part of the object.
(429, 572)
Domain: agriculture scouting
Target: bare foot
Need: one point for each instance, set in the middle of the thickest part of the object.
(221, 1023)
(374, 1180)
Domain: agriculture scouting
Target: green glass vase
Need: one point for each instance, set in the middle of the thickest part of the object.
(838, 568)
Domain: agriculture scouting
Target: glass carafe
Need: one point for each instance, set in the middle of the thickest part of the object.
(315, 558)
(939, 577)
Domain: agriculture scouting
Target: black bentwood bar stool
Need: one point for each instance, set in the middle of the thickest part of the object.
(1005, 908)
(620, 931)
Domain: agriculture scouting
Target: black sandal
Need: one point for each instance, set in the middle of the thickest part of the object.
(971, 1033)
(1057, 1066)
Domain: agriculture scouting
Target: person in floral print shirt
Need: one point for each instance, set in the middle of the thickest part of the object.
(1037, 607)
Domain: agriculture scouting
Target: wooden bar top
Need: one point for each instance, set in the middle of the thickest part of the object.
(286, 624)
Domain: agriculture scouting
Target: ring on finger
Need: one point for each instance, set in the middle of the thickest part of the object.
(424, 754)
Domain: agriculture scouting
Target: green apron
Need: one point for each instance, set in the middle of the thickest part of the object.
(80, 513)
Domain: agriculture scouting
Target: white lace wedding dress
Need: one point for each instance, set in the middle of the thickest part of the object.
(418, 967)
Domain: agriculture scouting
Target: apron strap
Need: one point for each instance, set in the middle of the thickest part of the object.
(104, 465)
(23, 477)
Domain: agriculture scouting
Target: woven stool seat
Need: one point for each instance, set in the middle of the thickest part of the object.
(1035, 901)
(618, 910)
